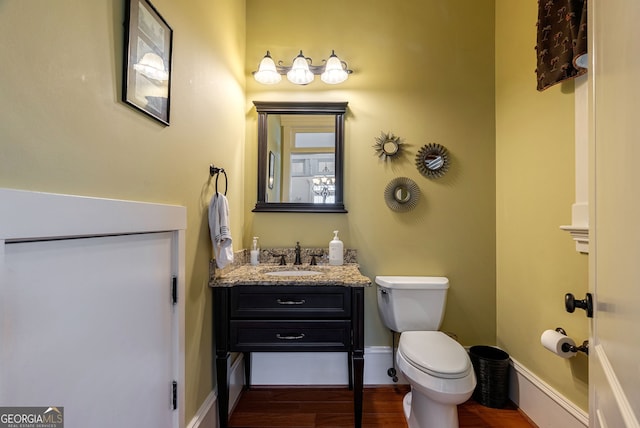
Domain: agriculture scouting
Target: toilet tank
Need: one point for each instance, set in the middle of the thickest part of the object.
(412, 303)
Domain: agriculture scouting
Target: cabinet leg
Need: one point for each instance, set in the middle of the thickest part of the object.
(247, 369)
(358, 380)
(350, 369)
(223, 389)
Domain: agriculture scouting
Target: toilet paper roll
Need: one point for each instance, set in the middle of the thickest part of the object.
(553, 341)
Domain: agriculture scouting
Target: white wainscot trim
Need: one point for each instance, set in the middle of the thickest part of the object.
(627, 413)
(26, 215)
(580, 235)
(579, 227)
(319, 368)
(545, 406)
(207, 414)
(29, 215)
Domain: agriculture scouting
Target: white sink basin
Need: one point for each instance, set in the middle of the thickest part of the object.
(294, 273)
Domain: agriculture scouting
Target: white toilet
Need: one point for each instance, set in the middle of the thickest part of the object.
(437, 367)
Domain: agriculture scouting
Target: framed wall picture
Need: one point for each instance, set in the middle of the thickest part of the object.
(148, 39)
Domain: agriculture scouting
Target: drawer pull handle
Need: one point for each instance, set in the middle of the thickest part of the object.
(291, 302)
(297, 337)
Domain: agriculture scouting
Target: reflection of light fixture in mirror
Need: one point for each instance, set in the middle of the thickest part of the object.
(324, 185)
(151, 65)
(302, 71)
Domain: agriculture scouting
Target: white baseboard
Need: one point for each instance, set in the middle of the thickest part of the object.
(207, 414)
(545, 406)
(319, 368)
(540, 402)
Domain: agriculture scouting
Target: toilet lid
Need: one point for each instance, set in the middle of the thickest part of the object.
(435, 353)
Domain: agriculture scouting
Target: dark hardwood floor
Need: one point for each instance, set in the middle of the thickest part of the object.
(333, 407)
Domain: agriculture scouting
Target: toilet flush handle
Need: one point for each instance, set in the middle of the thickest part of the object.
(570, 304)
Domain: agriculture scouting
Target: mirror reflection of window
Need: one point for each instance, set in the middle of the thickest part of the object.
(314, 140)
(312, 178)
(308, 159)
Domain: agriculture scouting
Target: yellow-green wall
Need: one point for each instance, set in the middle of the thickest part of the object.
(64, 129)
(536, 262)
(423, 70)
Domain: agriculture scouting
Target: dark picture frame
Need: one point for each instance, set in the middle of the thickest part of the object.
(146, 85)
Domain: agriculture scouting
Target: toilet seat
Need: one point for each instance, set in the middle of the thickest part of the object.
(435, 353)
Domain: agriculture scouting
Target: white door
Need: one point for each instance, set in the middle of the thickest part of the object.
(614, 363)
(86, 324)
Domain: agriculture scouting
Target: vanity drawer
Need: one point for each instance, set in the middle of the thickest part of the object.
(263, 335)
(290, 302)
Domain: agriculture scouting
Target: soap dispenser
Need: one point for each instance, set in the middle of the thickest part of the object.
(336, 250)
(255, 252)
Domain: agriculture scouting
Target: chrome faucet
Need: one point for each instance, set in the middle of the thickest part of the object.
(297, 261)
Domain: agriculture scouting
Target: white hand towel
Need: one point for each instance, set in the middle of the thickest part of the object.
(219, 229)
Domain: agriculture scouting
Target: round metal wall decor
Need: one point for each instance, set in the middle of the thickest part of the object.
(388, 145)
(401, 194)
(432, 160)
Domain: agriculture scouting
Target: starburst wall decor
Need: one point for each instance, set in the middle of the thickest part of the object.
(388, 146)
(432, 160)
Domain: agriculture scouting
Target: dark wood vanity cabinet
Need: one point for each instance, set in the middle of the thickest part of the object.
(288, 318)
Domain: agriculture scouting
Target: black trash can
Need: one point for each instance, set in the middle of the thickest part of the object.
(491, 366)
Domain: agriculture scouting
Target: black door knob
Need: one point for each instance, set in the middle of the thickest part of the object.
(570, 304)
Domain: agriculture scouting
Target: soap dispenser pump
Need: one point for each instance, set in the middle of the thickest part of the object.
(255, 252)
(336, 250)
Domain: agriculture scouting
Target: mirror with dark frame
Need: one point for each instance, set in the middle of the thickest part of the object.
(401, 194)
(300, 156)
(432, 160)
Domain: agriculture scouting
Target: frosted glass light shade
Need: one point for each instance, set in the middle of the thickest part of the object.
(334, 72)
(300, 73)
(267, 73)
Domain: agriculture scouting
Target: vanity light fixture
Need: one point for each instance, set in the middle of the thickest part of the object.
(302, 71)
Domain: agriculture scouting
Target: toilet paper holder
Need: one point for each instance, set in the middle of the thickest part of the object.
(572, 348)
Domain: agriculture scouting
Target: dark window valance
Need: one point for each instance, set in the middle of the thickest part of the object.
(562, 39)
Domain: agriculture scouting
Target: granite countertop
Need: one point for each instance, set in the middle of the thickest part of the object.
(347, 275)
